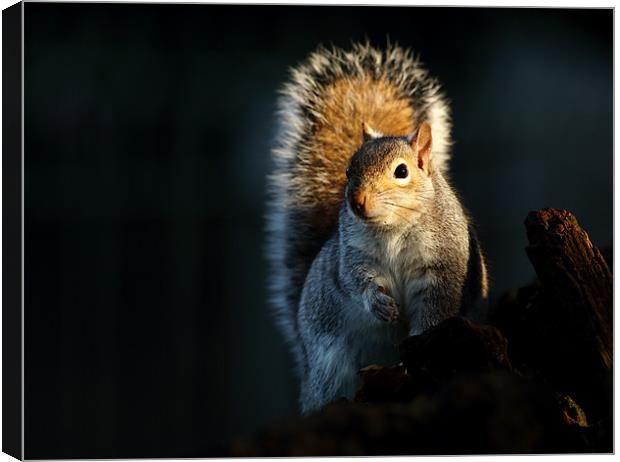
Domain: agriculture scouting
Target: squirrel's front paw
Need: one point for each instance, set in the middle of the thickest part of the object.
(381, 304)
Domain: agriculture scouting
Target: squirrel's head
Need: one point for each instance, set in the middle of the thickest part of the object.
(389, 178)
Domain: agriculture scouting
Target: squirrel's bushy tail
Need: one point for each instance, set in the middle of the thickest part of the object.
(321, 110)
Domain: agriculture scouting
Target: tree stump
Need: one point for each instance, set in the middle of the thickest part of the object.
(568, 322)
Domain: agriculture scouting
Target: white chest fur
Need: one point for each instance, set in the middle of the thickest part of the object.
(403, 261)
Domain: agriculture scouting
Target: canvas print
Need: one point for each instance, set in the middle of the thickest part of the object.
(284, 231)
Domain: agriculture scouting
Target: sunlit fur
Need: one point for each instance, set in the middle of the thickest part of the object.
(320, 111)
(390, 202)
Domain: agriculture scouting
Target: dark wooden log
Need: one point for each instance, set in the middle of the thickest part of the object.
(569, 319)
(493, 413)
(455, 346)
(390, 384)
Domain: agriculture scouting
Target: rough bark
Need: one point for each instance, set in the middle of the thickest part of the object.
(568, 321)
(575, 277)
(456, 346)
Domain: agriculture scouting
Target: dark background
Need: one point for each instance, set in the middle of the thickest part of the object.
(146, 148)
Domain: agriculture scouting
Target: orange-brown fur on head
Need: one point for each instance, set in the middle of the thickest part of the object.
(389, 178)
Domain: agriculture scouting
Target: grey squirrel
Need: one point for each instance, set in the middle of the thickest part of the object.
(367, 241)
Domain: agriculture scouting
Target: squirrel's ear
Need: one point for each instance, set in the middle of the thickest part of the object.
(421, 143)
(368, 133)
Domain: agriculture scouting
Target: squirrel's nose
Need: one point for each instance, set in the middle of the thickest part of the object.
(358, 204)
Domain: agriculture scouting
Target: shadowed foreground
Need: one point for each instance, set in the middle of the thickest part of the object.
(537, 379)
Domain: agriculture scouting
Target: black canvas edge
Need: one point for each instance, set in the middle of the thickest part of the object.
(12, 334)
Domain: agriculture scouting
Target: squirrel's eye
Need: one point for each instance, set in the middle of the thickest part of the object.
(348, 172)
(401, 171)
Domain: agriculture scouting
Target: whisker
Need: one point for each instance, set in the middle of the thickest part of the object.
(396, 200)
(401, 206)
